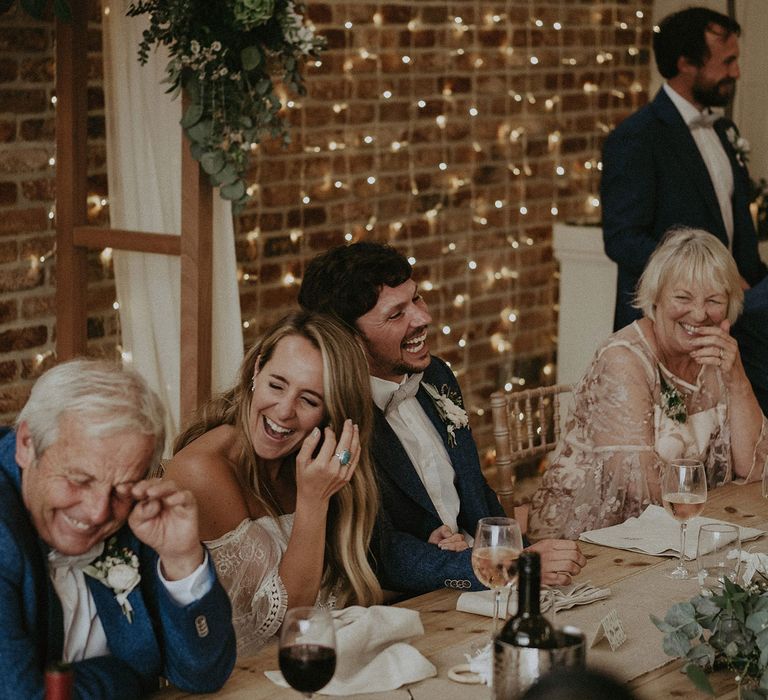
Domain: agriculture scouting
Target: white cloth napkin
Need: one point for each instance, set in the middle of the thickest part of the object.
(481, 602)
(371, 654)
(754, 563)
(656, 533)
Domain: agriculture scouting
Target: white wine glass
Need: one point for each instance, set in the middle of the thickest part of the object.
(683, 493)
(307, 649)
(498, 543)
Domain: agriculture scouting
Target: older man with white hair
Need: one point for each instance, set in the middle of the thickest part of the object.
(100, 567)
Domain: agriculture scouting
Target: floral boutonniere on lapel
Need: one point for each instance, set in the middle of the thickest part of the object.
(117, 569)
(740, 145)
(449, 407)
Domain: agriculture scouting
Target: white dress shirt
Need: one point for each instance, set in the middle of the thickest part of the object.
(84, 636)
(424, 447)
(714, 155)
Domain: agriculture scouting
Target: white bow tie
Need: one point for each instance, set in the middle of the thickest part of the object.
(407, 389)
(58, 560)
(704, 120)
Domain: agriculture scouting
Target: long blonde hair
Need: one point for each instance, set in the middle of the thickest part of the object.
(346, 389)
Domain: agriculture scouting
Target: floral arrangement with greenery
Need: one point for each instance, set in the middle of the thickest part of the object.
(224, 55)
(727, 629)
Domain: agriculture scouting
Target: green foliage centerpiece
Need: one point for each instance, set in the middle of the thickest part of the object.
(727, 629)
(224, 55)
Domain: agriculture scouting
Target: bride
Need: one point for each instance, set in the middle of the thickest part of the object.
(280, 468)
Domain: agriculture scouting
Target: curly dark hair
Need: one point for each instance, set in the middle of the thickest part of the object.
(345, 281)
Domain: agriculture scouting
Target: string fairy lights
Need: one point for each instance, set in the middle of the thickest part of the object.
(459, 133)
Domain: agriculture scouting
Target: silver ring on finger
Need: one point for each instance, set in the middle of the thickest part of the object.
(344, 457)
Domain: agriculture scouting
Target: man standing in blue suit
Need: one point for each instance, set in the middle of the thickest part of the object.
(433, 492)
(100, 567)
(676, 163)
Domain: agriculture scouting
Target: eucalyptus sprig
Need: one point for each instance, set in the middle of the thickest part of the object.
(226, 56)
(728, 629)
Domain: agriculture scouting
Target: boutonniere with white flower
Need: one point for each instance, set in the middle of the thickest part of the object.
(449, 407)
(740, 145)
(117, 569)
(672, 402)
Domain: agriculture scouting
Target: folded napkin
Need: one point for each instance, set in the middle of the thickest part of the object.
(754, 563)
(481, 602)
(371, 655)
(656, 533)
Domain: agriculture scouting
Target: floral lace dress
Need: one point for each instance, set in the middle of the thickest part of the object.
(608, 464)
(247, 560)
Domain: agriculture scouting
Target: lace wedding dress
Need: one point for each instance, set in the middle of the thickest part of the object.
(247, 560)
(607, 466)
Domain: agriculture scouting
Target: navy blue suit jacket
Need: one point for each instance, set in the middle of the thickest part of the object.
(407, 562)
(654, 178)
(192, 646)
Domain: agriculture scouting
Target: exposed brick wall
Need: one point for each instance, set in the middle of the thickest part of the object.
(27, 194)
(463, 139)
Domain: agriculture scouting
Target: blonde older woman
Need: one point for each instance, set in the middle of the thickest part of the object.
(281, 471)
(670, 385)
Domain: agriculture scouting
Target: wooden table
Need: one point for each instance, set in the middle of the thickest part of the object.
(449, 633)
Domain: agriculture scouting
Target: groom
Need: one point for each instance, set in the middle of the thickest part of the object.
(99, 567)
(433, 492)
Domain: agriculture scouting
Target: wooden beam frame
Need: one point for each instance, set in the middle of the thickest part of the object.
(74, 238)
(71, 190)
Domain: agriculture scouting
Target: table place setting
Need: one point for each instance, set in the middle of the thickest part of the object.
(655, 532)
(562, 597)
(371, 650)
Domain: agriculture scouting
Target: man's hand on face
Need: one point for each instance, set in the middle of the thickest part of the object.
(561, 560)
(165, 518)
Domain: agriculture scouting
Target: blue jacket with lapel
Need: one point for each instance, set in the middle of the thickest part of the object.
(654, 178)
(408, 516)
(163, 639)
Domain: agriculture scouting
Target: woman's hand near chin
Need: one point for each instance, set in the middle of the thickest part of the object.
(319, 477)
(716, 347)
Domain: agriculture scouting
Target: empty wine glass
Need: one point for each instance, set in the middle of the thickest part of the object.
(718, 554)
(683, 493)
(307, 649)
(498, 543)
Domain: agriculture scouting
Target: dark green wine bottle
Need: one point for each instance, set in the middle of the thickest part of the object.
(528, 627)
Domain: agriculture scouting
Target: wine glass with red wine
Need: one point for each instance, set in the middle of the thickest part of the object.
(307, 649)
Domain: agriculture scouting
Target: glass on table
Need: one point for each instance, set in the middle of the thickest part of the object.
(307, 649)
(498, 543)
(683, 493)
(718, 554)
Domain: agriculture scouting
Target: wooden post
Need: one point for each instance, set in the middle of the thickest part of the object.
(71, 192)
(196, 283)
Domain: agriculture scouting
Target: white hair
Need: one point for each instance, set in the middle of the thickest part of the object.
(107, 398)
(692, 256)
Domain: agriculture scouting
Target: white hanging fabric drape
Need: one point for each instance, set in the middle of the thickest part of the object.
(144, 142)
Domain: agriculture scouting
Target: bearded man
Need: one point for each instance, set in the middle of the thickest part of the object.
(675, 162)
